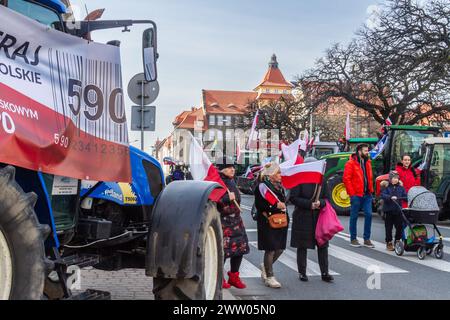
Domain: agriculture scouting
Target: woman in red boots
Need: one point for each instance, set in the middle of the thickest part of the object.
(235, 240)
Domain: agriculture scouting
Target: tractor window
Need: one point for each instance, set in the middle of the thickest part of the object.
(37, 12)
(408, 142)
(440, 165)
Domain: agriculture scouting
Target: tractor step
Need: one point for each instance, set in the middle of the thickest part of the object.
(91, 294)
(82, 261)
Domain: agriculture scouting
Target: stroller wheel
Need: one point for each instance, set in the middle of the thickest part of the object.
(421, 253)
(399, 248)
(439, 252)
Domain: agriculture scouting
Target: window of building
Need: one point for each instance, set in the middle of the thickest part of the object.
(212, 120)
(267, 90)
(228, 121)
(220, 120)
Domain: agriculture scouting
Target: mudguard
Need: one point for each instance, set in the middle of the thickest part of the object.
(174, 234)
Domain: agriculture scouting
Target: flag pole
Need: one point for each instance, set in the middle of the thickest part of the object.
(319, 190)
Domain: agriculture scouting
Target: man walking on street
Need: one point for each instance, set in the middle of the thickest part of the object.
(358, 180)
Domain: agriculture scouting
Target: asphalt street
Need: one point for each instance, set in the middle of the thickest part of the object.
(356, 270)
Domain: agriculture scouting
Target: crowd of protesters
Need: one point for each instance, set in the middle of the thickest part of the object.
(308, 200)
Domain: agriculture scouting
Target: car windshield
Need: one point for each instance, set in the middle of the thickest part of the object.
(409, 142)
(36, 12)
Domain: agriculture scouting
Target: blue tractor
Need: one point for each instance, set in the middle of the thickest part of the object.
(173, 232)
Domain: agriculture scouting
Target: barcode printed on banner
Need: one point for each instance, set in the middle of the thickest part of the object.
(89, 92)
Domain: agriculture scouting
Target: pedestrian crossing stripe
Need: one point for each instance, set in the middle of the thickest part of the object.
(437, 264)
(362, 261)
(247, 269)
(289, 259)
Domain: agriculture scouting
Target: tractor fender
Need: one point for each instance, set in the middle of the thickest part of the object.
(175, 227)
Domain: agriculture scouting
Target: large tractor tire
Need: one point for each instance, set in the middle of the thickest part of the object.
(209, 285)
(338, 196)
(22, 255)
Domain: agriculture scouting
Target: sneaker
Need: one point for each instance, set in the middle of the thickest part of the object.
(355, 243)
(303, 277)
(271, 282)
(368, 244)
(389, 246)
(327, 277)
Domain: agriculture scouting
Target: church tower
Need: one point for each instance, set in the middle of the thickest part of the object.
(274, 84)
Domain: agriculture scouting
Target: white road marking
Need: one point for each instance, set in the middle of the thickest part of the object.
(247, 269)
(289, 259)
(362, 261)
(431, 262)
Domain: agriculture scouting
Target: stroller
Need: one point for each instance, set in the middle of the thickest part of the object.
(422, 210)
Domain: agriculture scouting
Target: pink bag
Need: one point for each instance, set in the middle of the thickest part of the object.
(328, 224)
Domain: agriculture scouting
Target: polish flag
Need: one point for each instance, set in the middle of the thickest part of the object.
(203, 169)
(388, 122)
(290, 152)
(253, 138)
(293, 175)
(347, 128)
(270, 197)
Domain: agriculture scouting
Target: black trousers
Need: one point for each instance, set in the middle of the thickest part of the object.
(322, 254)
(235, 263)
(393, 220)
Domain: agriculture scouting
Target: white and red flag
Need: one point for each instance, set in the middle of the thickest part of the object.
(388, 122)
(290, 152)
(347, 127)
(202, 169)
(253, 137)
(293, 175)
(61, 103)
(238, 151)
(268, 194)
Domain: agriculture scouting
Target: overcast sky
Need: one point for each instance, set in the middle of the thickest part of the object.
(225, 44)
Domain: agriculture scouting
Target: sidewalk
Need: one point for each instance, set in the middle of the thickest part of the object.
(126, 284)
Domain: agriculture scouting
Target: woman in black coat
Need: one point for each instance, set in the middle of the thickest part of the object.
(235, 240)
(304, 221)
(272, 241)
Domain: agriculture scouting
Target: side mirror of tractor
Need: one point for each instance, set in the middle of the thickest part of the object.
(150, 54)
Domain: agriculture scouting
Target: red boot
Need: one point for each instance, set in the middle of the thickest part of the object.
(225, 285)
(235, 281)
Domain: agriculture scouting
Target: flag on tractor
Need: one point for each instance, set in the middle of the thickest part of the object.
(294, 175)
(203, 169)
(347, 127)
(271, 197)
(253, 137)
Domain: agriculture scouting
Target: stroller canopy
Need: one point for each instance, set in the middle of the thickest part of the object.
(421, 199)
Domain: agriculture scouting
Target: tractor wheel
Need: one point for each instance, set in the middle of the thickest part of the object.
(22, 255)
(208, 286)
(338, 196)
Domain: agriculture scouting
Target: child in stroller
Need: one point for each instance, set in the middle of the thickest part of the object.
(422, 210)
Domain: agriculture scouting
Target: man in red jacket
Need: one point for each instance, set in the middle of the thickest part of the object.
(358, 180)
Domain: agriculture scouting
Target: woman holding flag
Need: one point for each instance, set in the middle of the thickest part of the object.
(270, 200)
(235, 240)
(304, 222)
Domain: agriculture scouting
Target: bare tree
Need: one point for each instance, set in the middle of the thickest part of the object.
(393, 69)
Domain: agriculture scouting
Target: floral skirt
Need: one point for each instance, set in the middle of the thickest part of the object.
(235, 240)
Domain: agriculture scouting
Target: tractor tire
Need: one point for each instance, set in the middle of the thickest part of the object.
(209, 285)
(22, 254)
(337, 195)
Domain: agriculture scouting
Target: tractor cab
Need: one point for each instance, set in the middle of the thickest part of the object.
(436, 171)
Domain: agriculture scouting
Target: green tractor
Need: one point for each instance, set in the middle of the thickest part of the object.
(401, 139)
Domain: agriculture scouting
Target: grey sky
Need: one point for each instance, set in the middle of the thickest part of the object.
(225, 44)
